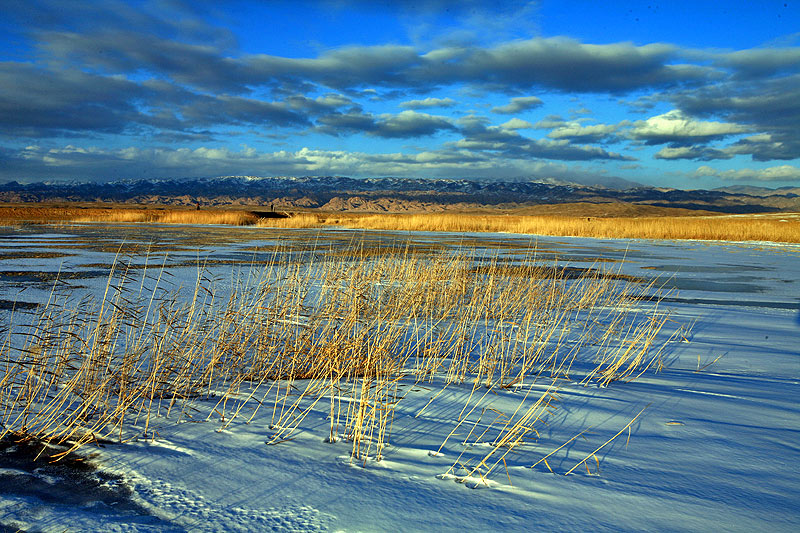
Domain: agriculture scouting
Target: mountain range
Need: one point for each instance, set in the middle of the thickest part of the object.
(387, 194)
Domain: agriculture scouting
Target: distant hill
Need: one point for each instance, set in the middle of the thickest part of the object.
(337, 193)
(760, 191)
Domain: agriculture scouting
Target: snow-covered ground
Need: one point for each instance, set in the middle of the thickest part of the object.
(716, 448)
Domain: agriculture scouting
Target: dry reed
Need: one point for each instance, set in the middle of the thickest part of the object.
(724, 228)
(344, 334)
(775, 227)
(217, 216)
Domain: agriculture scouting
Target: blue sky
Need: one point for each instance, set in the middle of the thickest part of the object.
(678, 94)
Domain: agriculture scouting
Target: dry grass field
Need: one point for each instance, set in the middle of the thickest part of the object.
(584, 220)
(47, 213)
(775, 228)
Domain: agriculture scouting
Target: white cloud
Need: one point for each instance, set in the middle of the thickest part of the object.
(677, 127)
(701, 153)
(428, 102)
(779, 173)
(516, 124)
(592, 133)
(407, 124)
(517, 105)
(550, 122)
(100, 164)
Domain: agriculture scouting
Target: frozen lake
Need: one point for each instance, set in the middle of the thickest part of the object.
(715, 449)
(727, 274)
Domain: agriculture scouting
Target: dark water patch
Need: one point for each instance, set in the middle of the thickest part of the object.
(732, 302)
(49, 276)
(540, 257)
(36, 245)
(34, 470)
(138, 249)
(245, 259)
(169, 238)
(279, 247)
(703, 269)
(706, 285)
(106, 267)
(214, 262)
(33, 255)
(376, 250)
(549, 272)
(503, 244)
(510, 259)
(10, 305)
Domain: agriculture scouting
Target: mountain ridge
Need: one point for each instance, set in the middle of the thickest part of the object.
(391, 194)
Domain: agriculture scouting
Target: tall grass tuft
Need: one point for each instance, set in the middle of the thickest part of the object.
(341, 333)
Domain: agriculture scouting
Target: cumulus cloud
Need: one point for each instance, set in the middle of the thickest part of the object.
(353, 121)
(117, 68)
(783, 173)
(35, 162)
(209, 111)
(595, 133)
(428, 102)
(409, 124)
(119, 50)
(185, 20)
(768, 147)
(770, 107)
(758, 63)
(404, 125)
(38, 102)
(550, 122)
(479, 137)
(698, 153)
(568, 65)
(555, 63)
(115, 37)
(677, 128)
(517, 105)
(761, 147)
(35, 101)
(516, 124)
(320, 105)
(344, 68)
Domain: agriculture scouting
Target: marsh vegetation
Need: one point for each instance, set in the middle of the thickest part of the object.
(563, 220)
(775, 228)
(349, 333)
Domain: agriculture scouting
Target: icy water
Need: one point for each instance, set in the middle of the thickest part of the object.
(80, 257)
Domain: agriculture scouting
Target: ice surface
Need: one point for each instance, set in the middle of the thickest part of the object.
(715, 449)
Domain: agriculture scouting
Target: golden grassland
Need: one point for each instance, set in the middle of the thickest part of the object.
(14, 214)
(776, 228)
(647, 223)
(347, 338)
(227, 217)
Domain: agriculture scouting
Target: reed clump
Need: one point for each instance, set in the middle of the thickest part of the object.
(339, 334)
(772, 228)
(724, 228)
(172, 216)
(295, 220)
